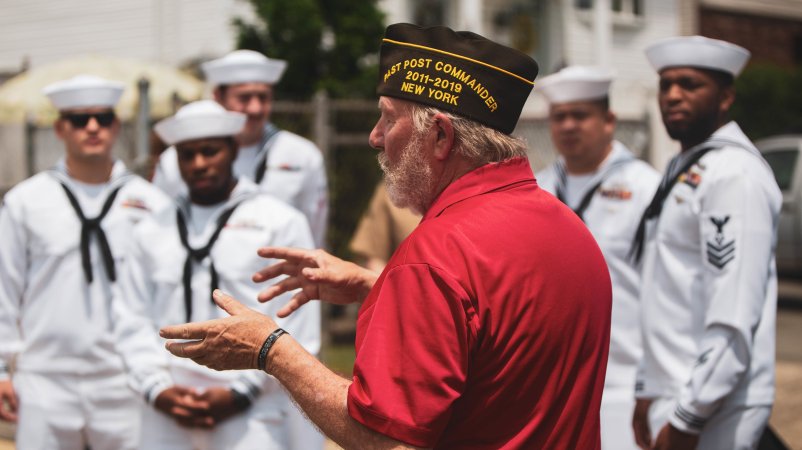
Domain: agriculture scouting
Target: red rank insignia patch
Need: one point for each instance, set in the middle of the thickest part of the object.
(135, 203)
(692, 178)
(616, 193)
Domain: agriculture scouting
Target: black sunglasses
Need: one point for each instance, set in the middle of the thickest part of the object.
(104, 119)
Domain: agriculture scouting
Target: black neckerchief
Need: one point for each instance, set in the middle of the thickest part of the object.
(678, 165)
(265, 145)
(199, 255)
(602, 176)
(89, 226)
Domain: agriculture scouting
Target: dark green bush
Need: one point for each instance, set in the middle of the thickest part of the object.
(769, 100)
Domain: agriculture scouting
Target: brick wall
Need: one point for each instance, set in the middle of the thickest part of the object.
(773, 40)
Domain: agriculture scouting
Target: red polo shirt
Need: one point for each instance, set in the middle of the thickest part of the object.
(490, 326)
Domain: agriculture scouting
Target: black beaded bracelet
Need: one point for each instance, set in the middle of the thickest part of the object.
(267, 345)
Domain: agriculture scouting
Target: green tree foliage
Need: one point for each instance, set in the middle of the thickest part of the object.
(330, 45)
(768, 100)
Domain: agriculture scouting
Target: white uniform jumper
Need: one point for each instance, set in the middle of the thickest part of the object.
(709, 296)
(283, 164)
(69, 377)
(153, 294)
(612, 213)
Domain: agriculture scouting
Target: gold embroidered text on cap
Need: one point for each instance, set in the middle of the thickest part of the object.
(460, 72)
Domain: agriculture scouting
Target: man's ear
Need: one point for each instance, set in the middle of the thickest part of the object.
(444, 138)
(218, 95)
(610, 117)
(59, 127)
(116, 125)
(234, 148)
(727, 99)
(609, 122)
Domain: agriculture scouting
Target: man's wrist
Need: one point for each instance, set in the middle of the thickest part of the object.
(261, 362)
(277, 355)
(369, 278)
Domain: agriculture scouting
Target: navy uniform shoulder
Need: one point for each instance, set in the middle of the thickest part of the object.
(272, 209)
(289, 144)
(31, 186)
(141, 193)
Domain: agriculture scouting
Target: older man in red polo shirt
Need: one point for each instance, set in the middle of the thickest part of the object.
(489, 327)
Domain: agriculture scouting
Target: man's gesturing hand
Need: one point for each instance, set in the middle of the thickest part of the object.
(319, 275)
(222, 344)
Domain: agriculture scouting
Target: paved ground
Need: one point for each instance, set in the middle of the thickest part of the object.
(786, 416)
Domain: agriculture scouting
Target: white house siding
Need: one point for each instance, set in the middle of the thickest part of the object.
(170, 31)
(629, 38)
(633, 95)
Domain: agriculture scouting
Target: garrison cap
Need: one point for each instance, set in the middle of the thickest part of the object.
(699, 52)
(456, 71)
(84, 91)
(199, 120)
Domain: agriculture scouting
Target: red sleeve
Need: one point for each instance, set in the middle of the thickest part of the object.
(412, 362)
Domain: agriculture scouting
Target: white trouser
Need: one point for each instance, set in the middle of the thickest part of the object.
(253, 429)
(71, 412)
(733, 427)
(617, 407)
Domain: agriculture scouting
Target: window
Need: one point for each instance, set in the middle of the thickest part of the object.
(622, 7)
(428, 12)
(782, 163)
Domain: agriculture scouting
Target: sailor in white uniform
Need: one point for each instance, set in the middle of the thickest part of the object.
(707, 244)
(282, 163)
(608, 187)
(64, 232)
(177, 258)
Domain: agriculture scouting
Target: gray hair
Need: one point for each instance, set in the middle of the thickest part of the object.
(476, 142)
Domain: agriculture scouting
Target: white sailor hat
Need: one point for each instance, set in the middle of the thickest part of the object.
(198, 120)
(576, 83)
(243, 66)
(84, 91)
(699, 52)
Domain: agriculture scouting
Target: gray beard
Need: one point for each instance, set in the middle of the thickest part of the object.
(410, 183)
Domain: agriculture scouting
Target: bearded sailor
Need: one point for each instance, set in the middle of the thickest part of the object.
(706, 242)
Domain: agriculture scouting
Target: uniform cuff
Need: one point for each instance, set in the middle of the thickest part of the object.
(686, 420)
(642, 393)
(155, 386)
(5, 373)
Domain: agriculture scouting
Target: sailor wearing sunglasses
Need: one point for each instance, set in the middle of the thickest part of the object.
(63, 236)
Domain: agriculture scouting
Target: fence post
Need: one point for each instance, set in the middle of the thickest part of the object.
(321, 132)
(321, 128)
(30, 146)
(142, 133)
